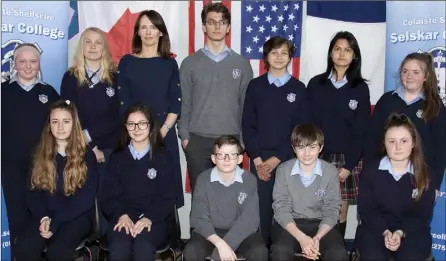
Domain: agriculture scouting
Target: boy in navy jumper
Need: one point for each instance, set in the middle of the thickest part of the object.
(418, 98)
(225, 209)
(274, 104)
(25, 103)
(138, 195)
(396, 198)
(307, 202)
(62, 190)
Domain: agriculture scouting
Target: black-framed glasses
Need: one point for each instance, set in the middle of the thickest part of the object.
(222, 156)
(214, 23)
(142, 125)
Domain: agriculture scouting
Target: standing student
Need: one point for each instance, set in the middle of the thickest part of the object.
(340, 106)
(274, 104)
(214, 81)
(225, 209)
(91, 84)
(25, 103)
(418, 98)
(138, 195)
(63, 187)
(307, 202)
(396, 197)
(150, 76)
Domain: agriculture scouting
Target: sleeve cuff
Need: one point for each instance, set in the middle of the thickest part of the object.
(54, 226)
(329, 222)
(87, 136)
(284, 221)
(207, 232)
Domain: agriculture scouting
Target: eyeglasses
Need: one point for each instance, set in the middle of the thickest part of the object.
(222, 156)
(214, 23)
(141, 125)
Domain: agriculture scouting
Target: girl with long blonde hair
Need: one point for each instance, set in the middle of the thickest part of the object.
(63, 185)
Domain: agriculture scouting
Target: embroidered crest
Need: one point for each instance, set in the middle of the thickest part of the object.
(110, 91)
(414, 193)
(241, 197)
(291, 97)
(320, 194)
(43, 98)
(151, 173)
(236, 73)
(353, 104)
(420, 113)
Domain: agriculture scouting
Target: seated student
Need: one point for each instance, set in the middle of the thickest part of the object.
(396, 198)
(63, 186)
(137, 195)
(225, 209)
(307, 202)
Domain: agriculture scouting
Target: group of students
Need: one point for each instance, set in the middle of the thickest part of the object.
(111, 135)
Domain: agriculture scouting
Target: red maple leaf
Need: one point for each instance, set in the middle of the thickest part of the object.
(120, 35)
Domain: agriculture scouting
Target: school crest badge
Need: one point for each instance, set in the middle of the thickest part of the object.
(353, 104)
(236, 73)
(241, 197)
(320, 194)
(414, 193)
(151, 173)
(110, 91)
(43, 98)
(291, 97)
(420, 113)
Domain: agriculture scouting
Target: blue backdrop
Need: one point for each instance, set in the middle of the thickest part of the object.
(46, 25)
(412, 27)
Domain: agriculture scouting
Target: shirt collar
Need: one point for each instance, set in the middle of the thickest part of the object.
(317, 169)
(208, 51)
(90, 72)
(282, 79)
(384, 164)
(400, 92)
(24, 86)
(138, 154)
(237, 177)
(332, 78)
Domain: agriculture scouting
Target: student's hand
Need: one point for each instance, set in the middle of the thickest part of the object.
(395, 241)
(126, 223)
(140, 225)
(308, 248)
(225, 251)
(316, 241)
(262, 171)
(387, 238)
(185, 142)
(272, 163)
(44, 228)
(343, 174)
(163, 131)
(100, 157)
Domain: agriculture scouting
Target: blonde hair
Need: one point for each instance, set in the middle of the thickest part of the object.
(107, 64)
(43, 175)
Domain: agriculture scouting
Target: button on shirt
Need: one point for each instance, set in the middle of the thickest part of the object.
(237, 177)
(216, 58)
(400, 92)
(339, 84)
(384, 164)
(279, 82)
(137, 155)
(307, 180)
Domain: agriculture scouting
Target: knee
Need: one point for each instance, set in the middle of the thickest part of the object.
(193, 253)
(281, 252)
(119, 253)
(27, 254)
(258, 253)
(143, 252)
(59, 253)
(336, 253)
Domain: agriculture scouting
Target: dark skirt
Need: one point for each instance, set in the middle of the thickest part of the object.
(349, 188)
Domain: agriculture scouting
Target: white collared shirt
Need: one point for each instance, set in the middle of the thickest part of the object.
(237, 176)
(384, 164)
(307, 180)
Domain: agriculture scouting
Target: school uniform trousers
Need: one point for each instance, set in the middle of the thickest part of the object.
(415, 246)
(141, 248)
(252, 248)
(60, 246)
(284, 246)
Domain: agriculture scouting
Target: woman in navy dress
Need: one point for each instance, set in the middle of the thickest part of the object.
(150, 75)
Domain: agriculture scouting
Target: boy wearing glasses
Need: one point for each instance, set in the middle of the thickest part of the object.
(225, 209)
(214, 81)
(306, 203)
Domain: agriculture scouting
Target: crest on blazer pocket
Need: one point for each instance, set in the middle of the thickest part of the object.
(236, 73)
(43, 98)
(110, 92)
(241, 197)
(414, 193)
(151, 173)
(420, 114)
(291, 97)
(353, 104)
(320, 194)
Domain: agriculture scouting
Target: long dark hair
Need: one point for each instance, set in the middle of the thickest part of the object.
(433, 102)
(353, 72)
(155, 139)
(158, 22)
(421, 171)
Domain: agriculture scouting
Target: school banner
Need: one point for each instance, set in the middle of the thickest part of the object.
(419, 27)
(44, 24)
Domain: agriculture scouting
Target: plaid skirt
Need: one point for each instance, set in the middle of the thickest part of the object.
(349, 188)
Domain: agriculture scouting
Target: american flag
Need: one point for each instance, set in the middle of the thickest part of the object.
(252, 23)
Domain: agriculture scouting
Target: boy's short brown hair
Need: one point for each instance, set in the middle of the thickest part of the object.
(227, 140)
(306, 134)
(217, 8)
